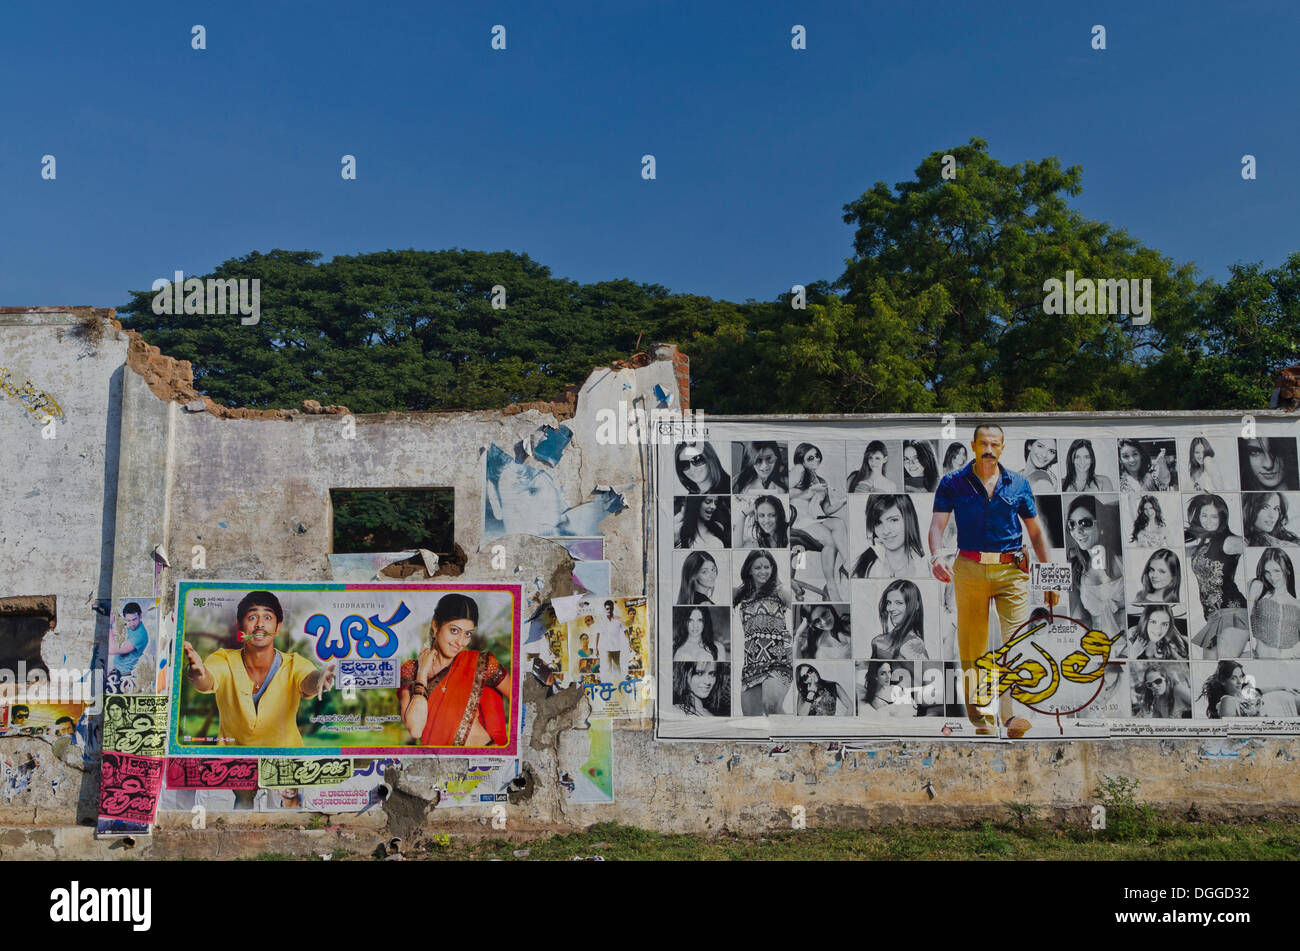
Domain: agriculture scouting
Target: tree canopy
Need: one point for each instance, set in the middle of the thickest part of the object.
(940, 308)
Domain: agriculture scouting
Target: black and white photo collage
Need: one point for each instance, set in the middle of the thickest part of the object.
(801, 583)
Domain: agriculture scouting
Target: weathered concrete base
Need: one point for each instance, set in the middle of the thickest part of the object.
(739, 789)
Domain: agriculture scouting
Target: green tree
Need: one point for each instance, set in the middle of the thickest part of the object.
(948, 276)
(401, 330)
(1247, 330)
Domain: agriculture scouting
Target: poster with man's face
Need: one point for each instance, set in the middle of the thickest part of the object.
(133, 647)
(291, 669)
(1174, 541)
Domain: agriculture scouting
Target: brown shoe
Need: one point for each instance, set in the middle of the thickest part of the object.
(1017, 727)
(984, 724)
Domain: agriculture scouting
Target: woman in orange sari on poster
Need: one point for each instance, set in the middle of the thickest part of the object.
(451, 696)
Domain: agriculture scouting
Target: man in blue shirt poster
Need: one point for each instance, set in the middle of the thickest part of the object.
(990, 503)
(131, 643)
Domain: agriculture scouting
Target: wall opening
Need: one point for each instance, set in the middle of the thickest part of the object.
(24, 622)
(390, 520)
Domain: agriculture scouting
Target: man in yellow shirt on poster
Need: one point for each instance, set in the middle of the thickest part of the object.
(257, 687)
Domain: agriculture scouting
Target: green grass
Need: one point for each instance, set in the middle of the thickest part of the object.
(988, 840)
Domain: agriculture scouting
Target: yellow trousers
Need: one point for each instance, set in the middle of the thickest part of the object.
(1008, 588)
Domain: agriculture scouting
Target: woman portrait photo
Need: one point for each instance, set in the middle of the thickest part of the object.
(699, 469)
(1266, 517)
(1081, 470)
(699, 579)
(451, 695)
(702, 522)
(822, 632)
(1162, 579)
(902, 623)
(702, 688)
(1268, 464)
(872, 475)
(955, 456)
(760, 581)
(881, 695)
(920, 468)
(1161, 691)
(761, 522)
(1040, 465)
(1231, 692)
(764, 607)
(893, 540)
(1202, 469)
(818, 696)
(1097, 571)
(1157, 635)
(760, 467)
(1149, 527)
(1147, 465)
(1274, 611)
(1213, 552)
(817, 518)
(701, 634)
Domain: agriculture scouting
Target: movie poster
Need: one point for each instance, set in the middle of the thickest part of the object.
(374, 669)
(1145, 569)
(135, 724)
(129, 787)
(607, 655)
(133, 647)
(46, 721)
(212, 773)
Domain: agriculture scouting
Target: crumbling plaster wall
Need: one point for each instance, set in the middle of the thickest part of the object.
(56, 536)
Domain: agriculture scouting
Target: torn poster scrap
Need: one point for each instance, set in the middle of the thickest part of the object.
(519, 499)
(548, 444)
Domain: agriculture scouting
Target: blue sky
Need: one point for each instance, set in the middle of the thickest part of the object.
(169, 159)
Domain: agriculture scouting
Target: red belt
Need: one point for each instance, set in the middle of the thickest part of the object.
(1004, 557)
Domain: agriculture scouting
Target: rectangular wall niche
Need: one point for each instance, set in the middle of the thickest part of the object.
(391, 520)
(24, 622)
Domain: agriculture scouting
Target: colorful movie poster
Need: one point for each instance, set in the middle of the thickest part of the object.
(1045, 577)
(283, 772)
(136, 724)
(607, 655)
(47, 721)
(374, 669)
(129, 787)
(212, 773)
(133, 647)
